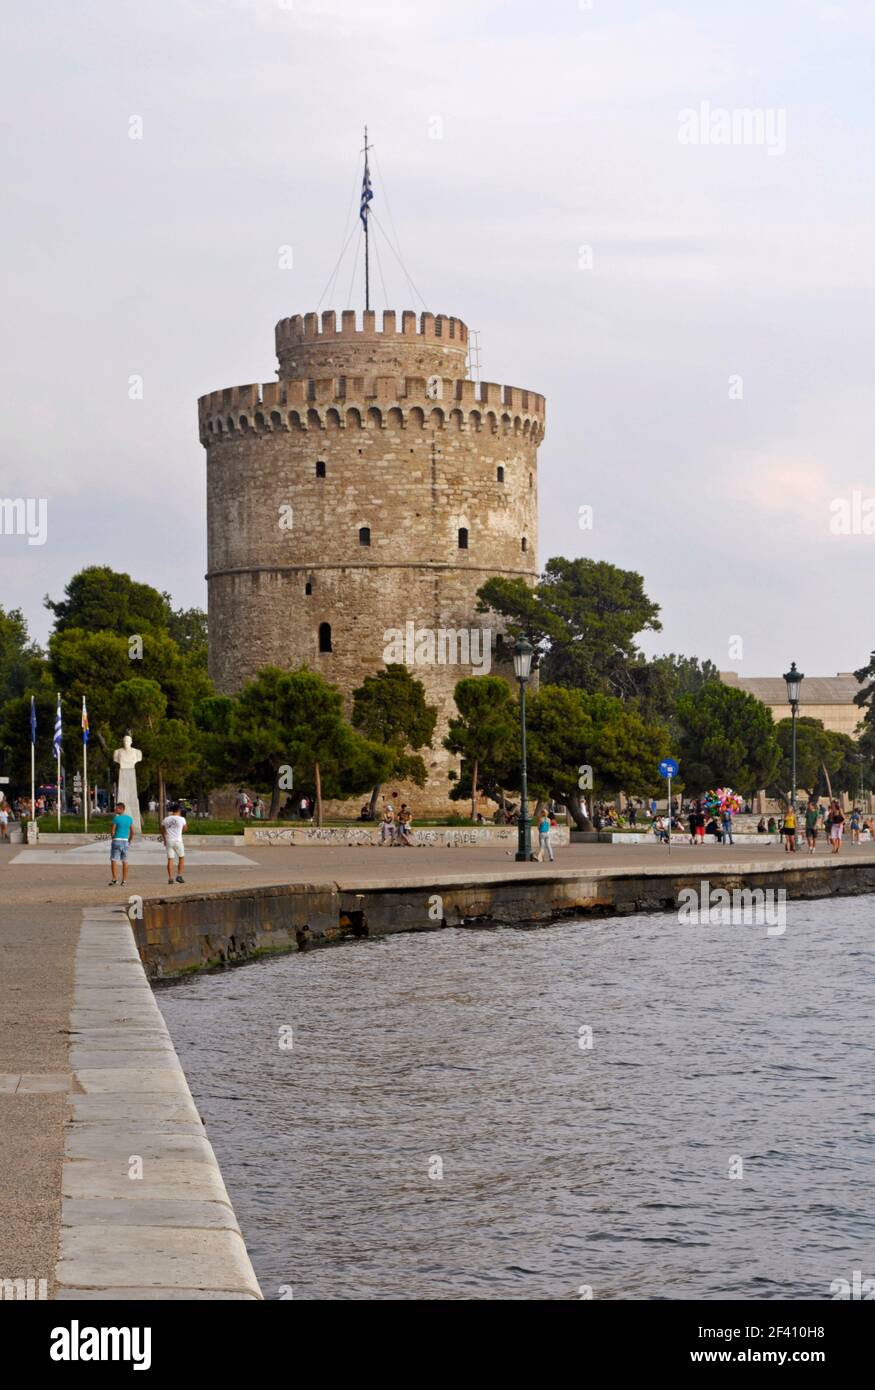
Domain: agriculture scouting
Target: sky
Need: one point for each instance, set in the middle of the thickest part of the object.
(689, 286)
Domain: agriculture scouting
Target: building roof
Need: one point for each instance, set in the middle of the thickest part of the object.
(816, 690)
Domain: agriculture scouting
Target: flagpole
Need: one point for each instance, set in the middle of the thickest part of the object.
(366, 219)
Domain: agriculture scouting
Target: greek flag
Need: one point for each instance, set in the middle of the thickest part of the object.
(32, 720)
(56, 742)
(85, 730)
(367, 195)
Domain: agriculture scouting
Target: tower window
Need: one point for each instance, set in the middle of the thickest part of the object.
(325, 637)
(499, 473)
(463, 538)
(525, 545)
(308, 587)
(364, 535)
(320, 468)
(531, 480)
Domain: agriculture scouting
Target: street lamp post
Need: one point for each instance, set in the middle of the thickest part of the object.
(522, 665)
(794, 681)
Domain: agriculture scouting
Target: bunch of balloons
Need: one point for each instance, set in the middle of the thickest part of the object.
(723, 799)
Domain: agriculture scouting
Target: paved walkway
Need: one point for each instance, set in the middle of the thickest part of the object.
(40, 919)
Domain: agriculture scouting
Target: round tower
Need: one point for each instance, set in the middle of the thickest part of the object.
(356, 505)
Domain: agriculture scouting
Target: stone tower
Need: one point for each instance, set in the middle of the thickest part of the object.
(371, 487)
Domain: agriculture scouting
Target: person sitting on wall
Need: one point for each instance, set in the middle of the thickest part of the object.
(405, 826)
(387, 828)
(761, 825)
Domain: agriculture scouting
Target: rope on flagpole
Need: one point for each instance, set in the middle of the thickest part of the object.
(380, 270)
(355, 258)
(399, 260)
(329, 288)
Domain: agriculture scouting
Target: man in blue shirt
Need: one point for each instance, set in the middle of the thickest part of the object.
(122, 834)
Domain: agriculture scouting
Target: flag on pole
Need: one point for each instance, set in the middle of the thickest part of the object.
(367, 195)
(85, 729)
(56, 742)
(32, 720)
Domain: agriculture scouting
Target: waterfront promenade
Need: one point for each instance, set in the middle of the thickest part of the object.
(43, 933)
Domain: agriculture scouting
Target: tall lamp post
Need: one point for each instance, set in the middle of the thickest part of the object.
(522, 665)
(794, 681)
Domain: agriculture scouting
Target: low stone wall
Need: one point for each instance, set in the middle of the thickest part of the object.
(199, 931)
(172, 1233)
(432, 836)
(50, 838)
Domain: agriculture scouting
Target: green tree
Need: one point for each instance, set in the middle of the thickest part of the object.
(727, 737)
(102, 599)
(93, 664)
(15, 738)
(323, 746)
(167, 744)
(826, 761)
(813, 756)
(390, 708)
(582, 618)
(21, 661)
(188, 628)
(292, 721)
(485, 735)
(659, 684)
(573, 733)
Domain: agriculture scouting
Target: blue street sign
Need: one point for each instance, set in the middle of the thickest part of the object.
(668, 768)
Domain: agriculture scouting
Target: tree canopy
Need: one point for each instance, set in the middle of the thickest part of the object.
(726, 737)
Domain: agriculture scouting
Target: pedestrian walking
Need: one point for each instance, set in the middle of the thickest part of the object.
(121, 835)
(836, 822)
(172, 828)
(544, 841)
(812, 818)
(856, 821)
(726, 823)
(789, 830)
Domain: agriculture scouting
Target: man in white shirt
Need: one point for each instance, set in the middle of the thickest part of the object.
(172, 827)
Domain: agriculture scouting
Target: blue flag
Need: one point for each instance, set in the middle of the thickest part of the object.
(56, 742)
(367, 195)
(32, 721)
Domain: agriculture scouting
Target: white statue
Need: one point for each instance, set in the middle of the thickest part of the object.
(127, 758)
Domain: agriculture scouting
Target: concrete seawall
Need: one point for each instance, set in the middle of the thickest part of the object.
(144, 1211)
(199, 931)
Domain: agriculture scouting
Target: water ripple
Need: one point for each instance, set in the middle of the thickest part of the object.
(459, 1052)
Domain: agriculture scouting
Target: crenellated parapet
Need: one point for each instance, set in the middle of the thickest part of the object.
(308, 328)
(312, 345)
(380, 402)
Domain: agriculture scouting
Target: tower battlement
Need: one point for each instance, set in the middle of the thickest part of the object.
(306, 328)
(309, 346)
(358, 402)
